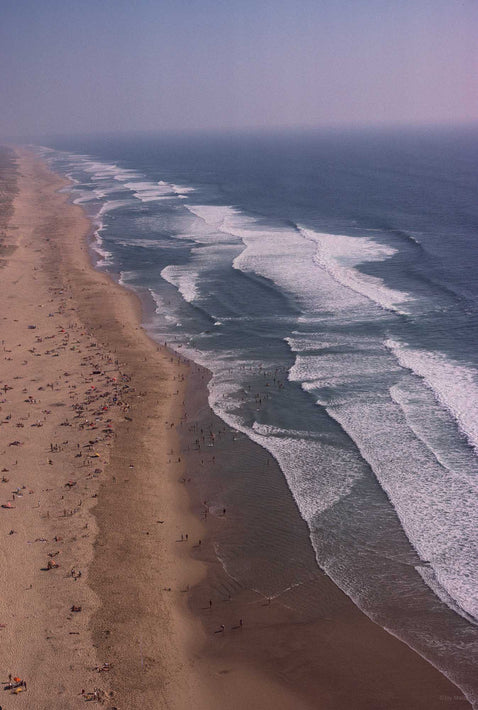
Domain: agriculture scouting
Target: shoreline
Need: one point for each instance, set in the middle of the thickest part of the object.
(310, 633)
(148, 591)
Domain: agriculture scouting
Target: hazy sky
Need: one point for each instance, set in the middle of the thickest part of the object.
(114, 65)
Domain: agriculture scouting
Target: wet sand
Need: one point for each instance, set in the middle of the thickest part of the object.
(296, 624)
(104, 478)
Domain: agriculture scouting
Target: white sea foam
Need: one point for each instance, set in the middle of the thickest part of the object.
(321, 341)
(213, 215)
(338, 254)
(324, 261)
(162, 306)
(106, 171)
(112, 205)
(276, 254)
(87, 197)
(318, 474)
(432, 487)
(435, 426)
(429, 577)
(142, 243)
(455, 385)
(126, 277)
(106, 257)
(126, 174)
(184, 279)
(148, 191)
(98, 169)
(435, 507)
(338, 375)
(72, 179)
(182, 189)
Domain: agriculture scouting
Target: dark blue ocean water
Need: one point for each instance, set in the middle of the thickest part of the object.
(328, 281)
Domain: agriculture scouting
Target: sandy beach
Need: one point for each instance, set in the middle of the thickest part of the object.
(111, 590)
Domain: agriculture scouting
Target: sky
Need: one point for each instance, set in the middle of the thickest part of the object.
(95, 66)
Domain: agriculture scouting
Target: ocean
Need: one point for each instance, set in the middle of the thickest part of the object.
(327, 280)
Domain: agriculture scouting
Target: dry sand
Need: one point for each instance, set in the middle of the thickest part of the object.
(90, 414)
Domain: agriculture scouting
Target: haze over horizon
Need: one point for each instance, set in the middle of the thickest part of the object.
(71, 67)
